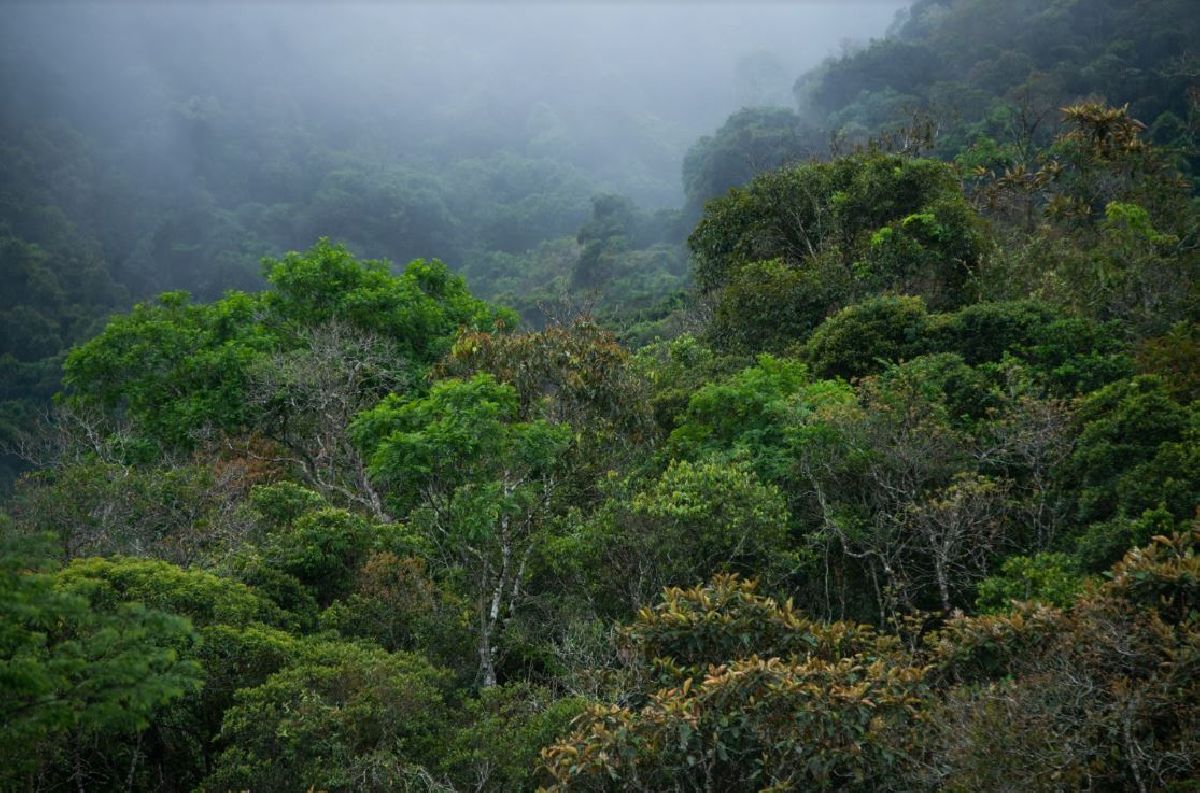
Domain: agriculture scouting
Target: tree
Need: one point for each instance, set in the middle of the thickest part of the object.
(958, 529)
(1140, 276)
(477, 481)
(322, 550)
(574, 374)
(693, 521)
(419, 310)
(496, 746)
(1049, 578)
(241, 641)
(175, 368)
(181, 371)
(605, 240)
(771, 307)
(751, 695)
(304, 400)
(1175, 356)
(918, 486)
(79, 675)
(341, 717)
(181, 513)
(397, 604)
(751, 141)
(754, 410)
(102, 488)
(1100, 693)
(861, 339)
(1116, 219)
(891, 222)
(1134, 470)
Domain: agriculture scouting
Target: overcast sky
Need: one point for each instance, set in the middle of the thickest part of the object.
(606, 75)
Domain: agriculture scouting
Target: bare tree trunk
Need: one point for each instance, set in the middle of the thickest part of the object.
(487, 664)
(487, 648)
(1131, 744)
(942, 583)
(133, 762)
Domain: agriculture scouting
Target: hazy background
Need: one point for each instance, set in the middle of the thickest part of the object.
(537, 148)
(620, 89)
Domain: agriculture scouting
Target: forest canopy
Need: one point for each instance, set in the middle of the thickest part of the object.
(342, 456)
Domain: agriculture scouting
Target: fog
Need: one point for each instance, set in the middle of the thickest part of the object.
(179, 143)
(618, 88)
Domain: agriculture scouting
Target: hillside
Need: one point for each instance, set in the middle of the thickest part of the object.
(875, 466)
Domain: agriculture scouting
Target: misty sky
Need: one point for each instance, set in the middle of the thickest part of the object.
(630, 85)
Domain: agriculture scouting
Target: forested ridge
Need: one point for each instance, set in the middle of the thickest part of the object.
(874, 465)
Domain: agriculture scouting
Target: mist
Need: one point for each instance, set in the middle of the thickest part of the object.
(617, 89)
(180, 143)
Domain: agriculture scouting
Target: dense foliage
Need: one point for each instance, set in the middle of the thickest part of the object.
(903, 494)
